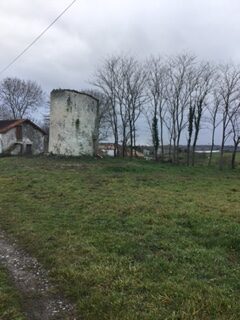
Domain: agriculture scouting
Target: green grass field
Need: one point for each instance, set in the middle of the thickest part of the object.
(129, 239)
(10, 302)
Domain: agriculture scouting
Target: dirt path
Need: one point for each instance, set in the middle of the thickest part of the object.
(39, 301)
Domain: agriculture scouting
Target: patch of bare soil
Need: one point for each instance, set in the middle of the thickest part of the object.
(39, 300)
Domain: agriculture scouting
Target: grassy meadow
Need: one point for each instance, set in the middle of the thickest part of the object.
(10, 301)
(129, 239)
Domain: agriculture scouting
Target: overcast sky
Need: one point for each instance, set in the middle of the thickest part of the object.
(92, 29)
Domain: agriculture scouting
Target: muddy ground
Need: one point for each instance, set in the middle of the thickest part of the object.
(40, 302)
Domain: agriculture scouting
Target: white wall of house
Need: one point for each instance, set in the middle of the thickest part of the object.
(72, 123)
(30, 136)
(8, 139)
(33, 137)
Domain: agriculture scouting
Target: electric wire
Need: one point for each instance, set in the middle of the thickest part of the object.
(37, 38)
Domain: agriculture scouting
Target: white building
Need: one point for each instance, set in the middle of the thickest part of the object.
(73, 117)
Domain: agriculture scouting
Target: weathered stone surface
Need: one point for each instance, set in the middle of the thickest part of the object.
(72, 123)
(9, 143)
(34, 137)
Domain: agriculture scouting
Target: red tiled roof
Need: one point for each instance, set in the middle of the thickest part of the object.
(6, 125)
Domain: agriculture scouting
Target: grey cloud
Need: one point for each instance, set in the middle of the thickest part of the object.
(92, 29)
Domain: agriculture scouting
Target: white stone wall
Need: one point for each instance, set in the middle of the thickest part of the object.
(8, 139)
(31, 136)
(72, 123)
(34, 137)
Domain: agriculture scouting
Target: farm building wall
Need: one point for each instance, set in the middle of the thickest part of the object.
(72, 123)
(9, 144)
(7, 139)
(34, 137)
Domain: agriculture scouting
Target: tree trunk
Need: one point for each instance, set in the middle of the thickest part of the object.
(233, 162)
(115, 144)
(174, 150)
(212, 146)
(131, 139)
(177, 151)
(161, 137)
(188, 150)
(222, 149)
(194, 144)
(134, 140)
(124, 141)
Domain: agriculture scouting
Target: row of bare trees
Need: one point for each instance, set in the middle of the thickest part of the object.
(178, 96)
(122, 82)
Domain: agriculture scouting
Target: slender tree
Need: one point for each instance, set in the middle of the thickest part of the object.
(228, 87)
(105, 79)
(203, 89)
(213, 109)
(178, 94)
(235, 129)
(155, 136)
(156, 90)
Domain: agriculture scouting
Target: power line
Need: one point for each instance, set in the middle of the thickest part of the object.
(37, 38)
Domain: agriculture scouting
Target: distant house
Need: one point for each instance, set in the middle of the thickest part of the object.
(107, 149)
(21, 137)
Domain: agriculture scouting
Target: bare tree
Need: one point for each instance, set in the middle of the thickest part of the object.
(202, 91)
(213, 109)
(121, 80)
(122, 95)
(20, 98)
(235, 129)
(193, 83)
(178, 95)
(105, 80)
(228, 87)
(135, 95)
(156, 90)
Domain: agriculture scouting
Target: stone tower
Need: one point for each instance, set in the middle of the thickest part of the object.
(73, 117)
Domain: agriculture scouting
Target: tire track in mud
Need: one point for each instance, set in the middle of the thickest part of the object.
(29, 277)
